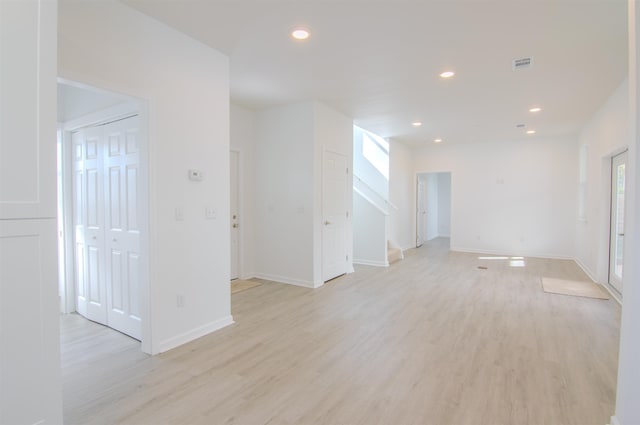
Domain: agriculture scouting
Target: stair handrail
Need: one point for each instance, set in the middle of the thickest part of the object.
(369, 200)
(385, 200)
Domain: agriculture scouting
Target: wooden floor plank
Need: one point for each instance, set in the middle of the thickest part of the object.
(431, 339)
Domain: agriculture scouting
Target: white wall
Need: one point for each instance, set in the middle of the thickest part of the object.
(333, 132)
(444, 205)
(30, 387)
(369, 233)
(605, 134)
(290, 141)
(509, 197)
(243, 136)
(284, 202)
(185, 85)
(401, 194)
(367, 172)
(431, 187)
(75, 102)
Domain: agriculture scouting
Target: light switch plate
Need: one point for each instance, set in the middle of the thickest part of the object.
(210, 213)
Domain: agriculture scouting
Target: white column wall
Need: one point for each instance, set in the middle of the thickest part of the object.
(627, 406)
(444, 205)
(285, 190)
(431, 183)
(30, 385)
(402, 194)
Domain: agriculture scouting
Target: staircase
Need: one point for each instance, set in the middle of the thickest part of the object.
(394, 253)
(371, 245)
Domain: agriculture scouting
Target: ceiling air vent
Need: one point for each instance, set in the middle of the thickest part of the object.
(522, 63)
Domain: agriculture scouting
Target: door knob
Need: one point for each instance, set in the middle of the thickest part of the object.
(327, 222)
(235, 225)
(620, 234)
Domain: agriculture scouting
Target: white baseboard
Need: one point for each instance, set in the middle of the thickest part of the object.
(194, 334)
(288, 280)
(586, 270)
(591, 275)
(371, 263)
(615, 421)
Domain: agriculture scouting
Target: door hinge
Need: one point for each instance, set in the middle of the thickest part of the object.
(347, 171)
(347, 214)
(347, 257)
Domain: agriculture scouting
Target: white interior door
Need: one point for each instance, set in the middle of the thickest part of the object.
(88, 219)
(107, 233)
(618, 177)
(334, 212)
(235, 221)
(122, 239)
(421, 213)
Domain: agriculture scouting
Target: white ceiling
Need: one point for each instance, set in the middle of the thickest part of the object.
(378, 60)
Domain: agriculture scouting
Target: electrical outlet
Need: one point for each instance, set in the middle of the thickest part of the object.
(210, 213)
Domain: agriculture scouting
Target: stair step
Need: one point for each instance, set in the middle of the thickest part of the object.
(394, 254)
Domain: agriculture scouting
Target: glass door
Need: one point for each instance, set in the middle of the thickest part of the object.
(616, 250)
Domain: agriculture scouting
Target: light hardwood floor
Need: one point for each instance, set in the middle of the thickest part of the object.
(430, 340)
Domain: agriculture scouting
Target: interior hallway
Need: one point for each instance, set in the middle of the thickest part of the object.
(430, 340)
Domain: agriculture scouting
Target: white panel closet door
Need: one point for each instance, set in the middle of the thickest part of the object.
(88, 219)
(334, 212)
(121, 176)
(107, 233)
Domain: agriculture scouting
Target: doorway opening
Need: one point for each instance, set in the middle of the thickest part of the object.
(616, 228)
(433, 206)
(102, 209)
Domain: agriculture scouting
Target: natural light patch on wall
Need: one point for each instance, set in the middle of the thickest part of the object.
(376, 150)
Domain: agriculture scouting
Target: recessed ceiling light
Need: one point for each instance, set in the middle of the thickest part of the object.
(447, 74)
(437, 140)
(300, 33)
(531, 132)
(536, 109)
(416, 124)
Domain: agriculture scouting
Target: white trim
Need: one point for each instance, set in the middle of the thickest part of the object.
(194, 334)
(586, 269)
(369, 200)
(615, 421)
(371, 263)
(288, 281)
(99, 117)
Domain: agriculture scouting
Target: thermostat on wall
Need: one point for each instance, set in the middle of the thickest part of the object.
(195, 175)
